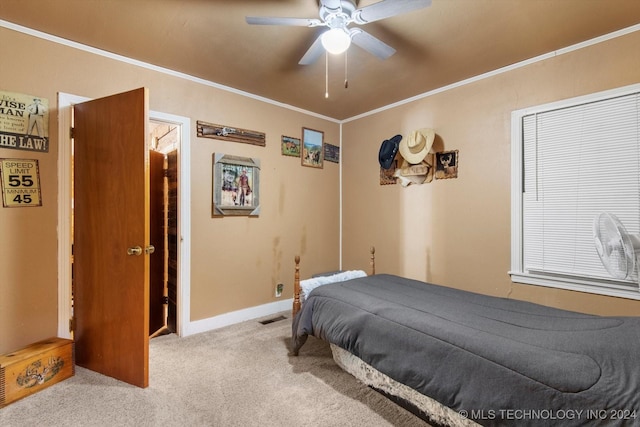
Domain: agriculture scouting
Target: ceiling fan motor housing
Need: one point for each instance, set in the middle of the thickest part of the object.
(338, 17)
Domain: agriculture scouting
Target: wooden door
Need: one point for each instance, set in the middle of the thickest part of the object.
(157, 318)
(111, 220)
(172, 240)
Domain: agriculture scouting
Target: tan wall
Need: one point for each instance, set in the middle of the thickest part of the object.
(453, 232)
(236, 262)
(457, 232)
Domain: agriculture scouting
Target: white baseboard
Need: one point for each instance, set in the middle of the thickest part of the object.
(234, 317)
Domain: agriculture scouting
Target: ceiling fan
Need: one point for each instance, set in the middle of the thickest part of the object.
(337, 15)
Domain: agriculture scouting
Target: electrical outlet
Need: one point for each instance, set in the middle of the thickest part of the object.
(279, 288)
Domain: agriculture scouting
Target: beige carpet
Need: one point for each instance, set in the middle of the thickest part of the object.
(241, 375)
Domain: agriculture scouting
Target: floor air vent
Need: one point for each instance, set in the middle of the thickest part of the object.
(274, 319)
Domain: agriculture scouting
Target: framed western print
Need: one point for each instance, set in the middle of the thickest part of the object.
(312, 148)
(236, 186)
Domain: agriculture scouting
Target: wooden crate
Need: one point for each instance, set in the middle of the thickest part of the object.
(34, 368)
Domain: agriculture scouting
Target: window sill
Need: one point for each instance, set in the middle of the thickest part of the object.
(587, 286)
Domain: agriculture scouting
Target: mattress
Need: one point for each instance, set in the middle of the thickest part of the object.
(496, 361)
(422, 406)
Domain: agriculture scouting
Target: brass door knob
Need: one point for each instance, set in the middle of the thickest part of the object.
(136, 250)
(149, 249)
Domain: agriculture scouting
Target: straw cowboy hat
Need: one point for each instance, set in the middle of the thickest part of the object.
(416, 145)
(388, 151)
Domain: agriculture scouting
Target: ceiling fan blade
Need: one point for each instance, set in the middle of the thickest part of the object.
(292, 22)
(371, 44)
(387, 8)
(313, 53)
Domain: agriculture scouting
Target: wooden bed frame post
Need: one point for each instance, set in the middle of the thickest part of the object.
(296, 280)
(296, 287)
(373, 260)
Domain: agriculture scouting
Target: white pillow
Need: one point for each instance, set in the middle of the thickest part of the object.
(307, 285)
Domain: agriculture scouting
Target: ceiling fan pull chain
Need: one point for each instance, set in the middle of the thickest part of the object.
(346, 70)
(326, 75)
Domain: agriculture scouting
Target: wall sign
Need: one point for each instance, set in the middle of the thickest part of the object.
(24, 122)
(228, 133)
(20, 183)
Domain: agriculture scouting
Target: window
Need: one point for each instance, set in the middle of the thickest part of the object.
(572, 160)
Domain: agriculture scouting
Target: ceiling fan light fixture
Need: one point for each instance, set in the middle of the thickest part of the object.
(336, 41)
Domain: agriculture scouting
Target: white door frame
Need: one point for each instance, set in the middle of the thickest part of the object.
(65, 103)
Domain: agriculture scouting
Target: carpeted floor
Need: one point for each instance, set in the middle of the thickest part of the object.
(241, 375)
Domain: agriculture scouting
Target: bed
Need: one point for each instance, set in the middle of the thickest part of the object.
(458, 358)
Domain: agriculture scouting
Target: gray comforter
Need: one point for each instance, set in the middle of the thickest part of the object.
(499, 361)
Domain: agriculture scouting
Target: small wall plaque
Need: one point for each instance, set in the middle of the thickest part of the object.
(447, 164)
(228, 133)
(20, 180)
(331, 153)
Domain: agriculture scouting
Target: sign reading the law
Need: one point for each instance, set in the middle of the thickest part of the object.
(24, 122)
(20, 183)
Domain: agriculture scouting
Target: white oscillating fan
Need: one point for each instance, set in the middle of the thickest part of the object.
(618, 250)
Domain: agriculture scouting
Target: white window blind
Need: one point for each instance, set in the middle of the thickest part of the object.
(576, 162)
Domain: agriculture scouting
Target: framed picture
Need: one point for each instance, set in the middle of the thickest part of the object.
(312, 148)
(236, 186)
(447, 164)
(290, 146)
(332, 153)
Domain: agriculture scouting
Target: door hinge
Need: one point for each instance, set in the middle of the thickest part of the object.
(165, 173)
(71, 132)
(72, 324)
(165, 300)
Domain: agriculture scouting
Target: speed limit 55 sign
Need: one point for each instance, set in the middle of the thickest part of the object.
(20, 183)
